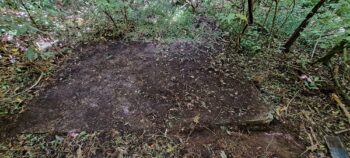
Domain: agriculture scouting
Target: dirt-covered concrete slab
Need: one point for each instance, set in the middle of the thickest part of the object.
(143, 86)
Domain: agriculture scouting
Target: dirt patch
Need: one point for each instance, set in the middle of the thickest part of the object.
(149, 100)
(139, 86)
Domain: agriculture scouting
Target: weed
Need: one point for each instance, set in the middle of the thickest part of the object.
(313, 82)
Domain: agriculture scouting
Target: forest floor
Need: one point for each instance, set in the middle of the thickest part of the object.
(181, 99)
(149, 99)
(143, 86)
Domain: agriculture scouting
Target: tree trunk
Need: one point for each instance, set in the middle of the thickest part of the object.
(250, 10)
(336, 49)
(302, 26)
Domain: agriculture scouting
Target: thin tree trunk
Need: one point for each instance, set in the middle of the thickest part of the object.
(125, 14)
(336, 49)
(243, 6)
(288, 15)
(250, 12)
(250, 21)
(242, 34)
(302, 26)
(267, 14)
(29, 15)
(265, 19)
(111, 18)
(272, 29)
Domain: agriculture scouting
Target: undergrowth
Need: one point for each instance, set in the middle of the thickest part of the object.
(37, 35)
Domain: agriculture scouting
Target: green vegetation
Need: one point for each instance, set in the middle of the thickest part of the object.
(37, 35)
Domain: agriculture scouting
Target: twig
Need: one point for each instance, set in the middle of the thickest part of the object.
(210, 130)
(314, 135)
(313, 51)
(341, 105)
(306, 115)
(342, 131)
(290, 101)
(29, 88)
(312, 146)
(26, 90)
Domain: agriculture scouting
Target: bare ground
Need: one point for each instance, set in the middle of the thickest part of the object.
(148, 89)
(137, 86)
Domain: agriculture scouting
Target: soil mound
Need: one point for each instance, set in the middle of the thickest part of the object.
(143, 86)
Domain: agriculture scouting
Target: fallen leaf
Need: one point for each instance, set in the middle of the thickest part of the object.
(170, 148)
(19, 100)
(196, 119)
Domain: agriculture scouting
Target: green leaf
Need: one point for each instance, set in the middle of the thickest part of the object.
(347, 38)
(47, 55)
(242, 17)
(31, 54)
